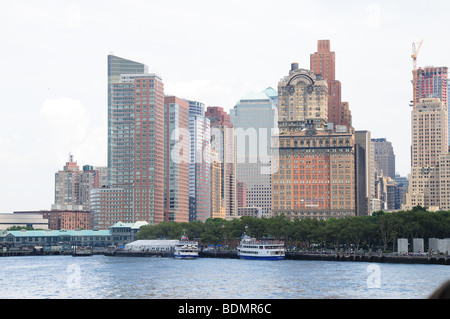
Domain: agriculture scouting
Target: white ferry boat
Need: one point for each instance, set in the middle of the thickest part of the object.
(250, 248)
(186, 249)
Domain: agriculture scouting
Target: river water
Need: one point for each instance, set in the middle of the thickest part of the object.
(106, 277)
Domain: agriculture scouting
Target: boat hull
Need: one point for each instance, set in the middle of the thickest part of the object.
(185, 257)
(262, 257)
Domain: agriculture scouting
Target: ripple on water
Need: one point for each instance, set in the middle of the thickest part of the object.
(50, 277)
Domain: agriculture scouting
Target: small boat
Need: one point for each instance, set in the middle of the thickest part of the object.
(186, 249)
(250, 248)
(81, 252)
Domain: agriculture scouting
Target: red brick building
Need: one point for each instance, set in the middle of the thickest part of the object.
(64, 219)
(323, 62)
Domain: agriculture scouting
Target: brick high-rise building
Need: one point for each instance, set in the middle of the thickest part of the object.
(323, 62)
(116, 67)
(135, 147)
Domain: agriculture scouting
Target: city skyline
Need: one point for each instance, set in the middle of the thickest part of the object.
(54, 86)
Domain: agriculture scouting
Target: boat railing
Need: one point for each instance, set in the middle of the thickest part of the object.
(184, 243)
(264, 242)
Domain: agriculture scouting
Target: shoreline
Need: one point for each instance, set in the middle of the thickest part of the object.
(374, 258)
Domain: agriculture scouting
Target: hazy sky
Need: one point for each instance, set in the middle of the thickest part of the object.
(54, 77)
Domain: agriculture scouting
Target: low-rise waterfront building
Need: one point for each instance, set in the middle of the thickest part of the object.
(118, 235)
(23, 220)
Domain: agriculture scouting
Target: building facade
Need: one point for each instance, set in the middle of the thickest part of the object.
(255, 118)
(199, 163)
(36, 221)
(384, 157)
(429, 143)
(64, 219)
(116, 67)
(365, 173)
(217, 207)
(135, 189)
(430, 82)
(315, 175)
(117, 235)
(176, 159)
(223, 143)
(323, 62)
(73, 186)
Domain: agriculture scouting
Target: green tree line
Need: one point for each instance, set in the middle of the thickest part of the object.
(380, 230)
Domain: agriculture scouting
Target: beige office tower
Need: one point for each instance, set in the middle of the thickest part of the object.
(429, 147)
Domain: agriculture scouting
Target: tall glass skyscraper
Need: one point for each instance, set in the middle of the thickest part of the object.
(199, 163)
(116, 67)
(254, 117)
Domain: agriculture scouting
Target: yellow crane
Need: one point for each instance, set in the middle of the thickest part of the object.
(415, 52)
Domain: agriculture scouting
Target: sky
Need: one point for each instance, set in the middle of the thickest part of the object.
(53, 62)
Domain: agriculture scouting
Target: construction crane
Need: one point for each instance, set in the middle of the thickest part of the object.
(415, 52)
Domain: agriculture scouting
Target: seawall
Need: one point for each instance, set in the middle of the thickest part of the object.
(372, 258)
(381, 258)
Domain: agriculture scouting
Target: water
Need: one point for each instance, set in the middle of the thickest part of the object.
(105, 277)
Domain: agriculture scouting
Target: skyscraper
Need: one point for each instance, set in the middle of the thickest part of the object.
(73, 186)
(199, 163)
(217, 207)
(117, 66)
(176, 159)
(254, 118)
(135, 147)
(302, 101)
(430, 82)
(223, 143)
(323, 62)
(365, 173)
(384, 157)
(316, 166)
(429, 143)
